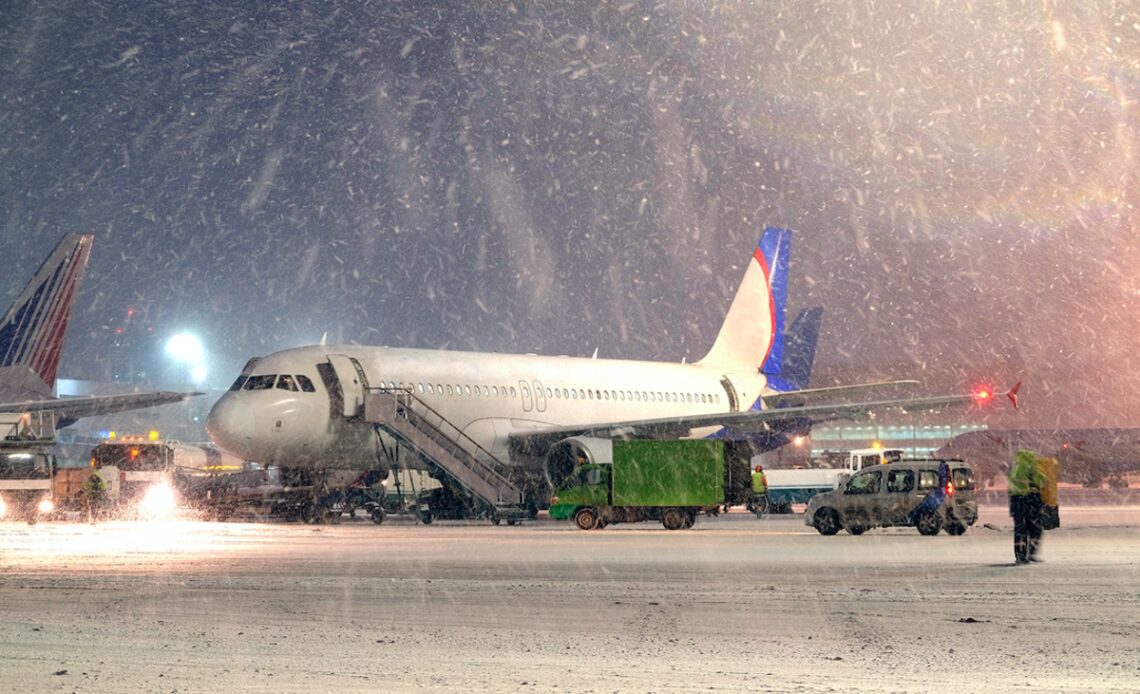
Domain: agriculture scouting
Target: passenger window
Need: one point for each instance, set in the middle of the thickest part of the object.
(963, 478)
(865, 483)
(927, 479)
(900, 481)
(285, 382)
(263, 382)
(305, 383)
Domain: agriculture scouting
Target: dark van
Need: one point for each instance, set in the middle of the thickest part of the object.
(926, 494)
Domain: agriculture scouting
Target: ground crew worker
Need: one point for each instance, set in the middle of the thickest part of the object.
(1026, 480)
(759, 482)
(758, 504)
(94, 493)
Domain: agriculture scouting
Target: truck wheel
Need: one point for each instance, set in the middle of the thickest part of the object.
(586, 518)
(826, 521)
(377, 515)
(425, 517)
(673, 519)
(856, 529)
(690, 518)
(759, 506)
(928, 523)
(955, 528)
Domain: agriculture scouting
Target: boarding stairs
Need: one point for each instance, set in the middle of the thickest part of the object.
(403, 415)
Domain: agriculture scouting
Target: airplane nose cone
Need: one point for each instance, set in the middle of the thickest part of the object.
(230, 426)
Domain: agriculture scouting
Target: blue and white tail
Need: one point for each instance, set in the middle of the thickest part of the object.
(31, 334)
(752, 335)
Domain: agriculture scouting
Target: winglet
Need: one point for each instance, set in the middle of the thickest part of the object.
(1012, 394)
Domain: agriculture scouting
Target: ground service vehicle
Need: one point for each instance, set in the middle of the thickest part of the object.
(927, 494)
(796, 486)
(670, 481)
(26, 484)
(144, 476)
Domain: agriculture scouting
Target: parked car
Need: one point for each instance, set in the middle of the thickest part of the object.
(926, 494)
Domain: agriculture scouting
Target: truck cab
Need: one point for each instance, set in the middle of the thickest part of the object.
(26, 484)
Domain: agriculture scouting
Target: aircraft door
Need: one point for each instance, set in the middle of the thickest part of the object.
(352, 383)
(732, 389)
(539, 397)
(527, 401)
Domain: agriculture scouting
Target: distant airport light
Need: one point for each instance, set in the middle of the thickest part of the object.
(152, 435)
(185, 348)
(983, 394)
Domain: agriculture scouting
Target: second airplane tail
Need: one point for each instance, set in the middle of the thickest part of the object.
(799, 354)
(31, 334)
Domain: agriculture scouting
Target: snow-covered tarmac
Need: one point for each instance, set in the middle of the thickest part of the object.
(735, 604)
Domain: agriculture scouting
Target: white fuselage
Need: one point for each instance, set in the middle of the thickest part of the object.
(487, 396)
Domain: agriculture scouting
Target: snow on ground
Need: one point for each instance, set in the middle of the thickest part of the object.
(735, 604)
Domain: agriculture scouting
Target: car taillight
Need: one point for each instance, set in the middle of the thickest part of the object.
(949, 488)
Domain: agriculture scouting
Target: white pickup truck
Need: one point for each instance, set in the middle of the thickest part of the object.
(796, 486)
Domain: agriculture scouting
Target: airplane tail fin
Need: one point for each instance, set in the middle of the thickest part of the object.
(751, 336)
(799, 352)
(31, 333)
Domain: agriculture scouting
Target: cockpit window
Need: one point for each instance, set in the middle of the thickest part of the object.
(306, 384)
(262, 382)
(286, 382)
(238, 383)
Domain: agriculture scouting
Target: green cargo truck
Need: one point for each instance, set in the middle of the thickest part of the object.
(669, 481)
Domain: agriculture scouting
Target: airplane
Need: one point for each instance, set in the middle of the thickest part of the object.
(303, 407)
(31, 341)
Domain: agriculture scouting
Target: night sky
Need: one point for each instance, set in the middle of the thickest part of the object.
(555, 177)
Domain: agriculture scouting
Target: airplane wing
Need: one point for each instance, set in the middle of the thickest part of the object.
(94, 405)
(748, 421)
(807, 396)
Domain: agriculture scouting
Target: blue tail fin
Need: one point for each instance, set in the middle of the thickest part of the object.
(799, 354)
(31, 333)
(752, 333)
